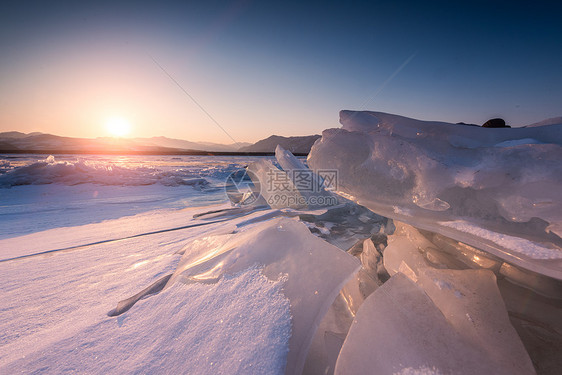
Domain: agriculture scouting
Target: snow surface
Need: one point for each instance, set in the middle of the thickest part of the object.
(60, 284)
(39, 193)
(517, 244)
(243, 328)
(55, 307)
(116, 170)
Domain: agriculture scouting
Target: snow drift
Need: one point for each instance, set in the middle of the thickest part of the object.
(88, 170)
(313, 271)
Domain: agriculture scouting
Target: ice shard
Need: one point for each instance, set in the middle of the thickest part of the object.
(399, 329)
(314, 271)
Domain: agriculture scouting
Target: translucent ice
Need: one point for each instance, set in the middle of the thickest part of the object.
(345, 224)
(537, 321)
(310, 185)
(468, 256)
(468, 299)
(472, 304)
(451, 179)
(403, 252)
(400, 328)
(294, 186)
(314, 271)
(276, 187)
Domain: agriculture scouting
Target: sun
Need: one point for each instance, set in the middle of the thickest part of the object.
(118, 126)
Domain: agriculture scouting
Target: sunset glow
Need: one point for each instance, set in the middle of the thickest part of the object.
(118, 127)
(281, 187)
(252, 67)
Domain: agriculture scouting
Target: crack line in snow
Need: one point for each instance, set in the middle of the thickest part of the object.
(110, 240)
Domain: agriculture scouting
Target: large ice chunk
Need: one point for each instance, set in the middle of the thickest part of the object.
(451, 179)
(537, 321)
(467, 299)
(471, 302)
(399, 329)
(314, 271)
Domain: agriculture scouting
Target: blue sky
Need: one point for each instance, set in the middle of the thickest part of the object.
(262, 68)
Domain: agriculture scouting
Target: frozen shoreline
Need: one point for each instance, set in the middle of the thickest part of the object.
(259, 289)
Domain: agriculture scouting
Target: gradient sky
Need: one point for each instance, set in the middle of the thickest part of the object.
(261, 68)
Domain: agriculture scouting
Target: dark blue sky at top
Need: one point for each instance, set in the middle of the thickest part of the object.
(471, 60)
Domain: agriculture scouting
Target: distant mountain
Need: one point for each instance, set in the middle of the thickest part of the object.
(297, 145)
(17, 141)
(220, 147)
(12, 135)
(187, 145)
